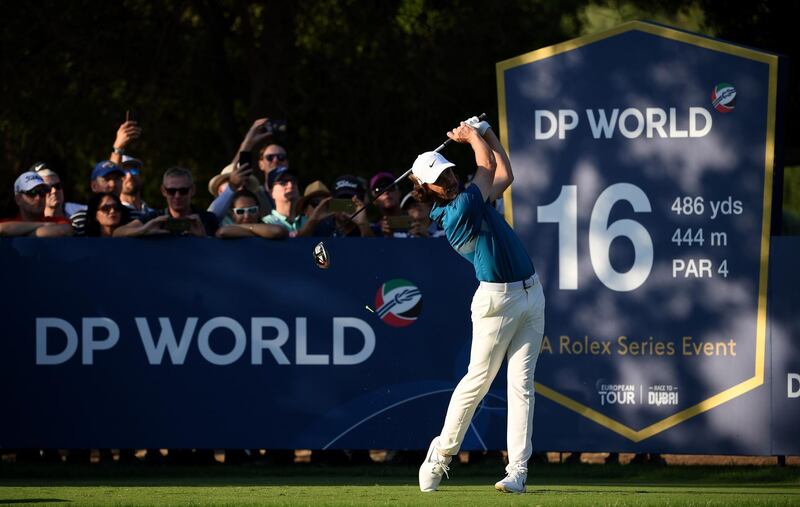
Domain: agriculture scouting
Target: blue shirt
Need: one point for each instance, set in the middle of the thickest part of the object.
(481, 235)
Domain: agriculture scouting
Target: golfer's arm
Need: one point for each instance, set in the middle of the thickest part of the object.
(503, 176)
(484, 159)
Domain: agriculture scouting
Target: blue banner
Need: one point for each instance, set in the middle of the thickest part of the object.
(203, 343)
(784, 332)
(226, 344)
(644, 162)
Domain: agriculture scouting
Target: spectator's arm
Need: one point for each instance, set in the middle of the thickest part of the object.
(361, 220)
(20, 228)
(136, 228)
(222, 203)
(268, 231)
(128, 132)
(255, 137)
(320, 213)
(53, 230)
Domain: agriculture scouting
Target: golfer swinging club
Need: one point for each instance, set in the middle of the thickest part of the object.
(507, 309)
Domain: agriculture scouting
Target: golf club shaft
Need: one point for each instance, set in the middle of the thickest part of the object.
(401, 178)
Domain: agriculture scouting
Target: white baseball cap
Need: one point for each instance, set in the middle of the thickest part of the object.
(27, 181)
(429, 166)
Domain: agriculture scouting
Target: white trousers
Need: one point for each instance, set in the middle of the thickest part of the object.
(507, 322)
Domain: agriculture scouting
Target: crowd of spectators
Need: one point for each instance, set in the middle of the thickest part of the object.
(257, 195)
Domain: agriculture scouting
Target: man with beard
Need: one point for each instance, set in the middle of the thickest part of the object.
(131, 195)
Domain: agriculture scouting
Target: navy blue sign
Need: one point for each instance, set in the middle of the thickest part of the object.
(226, 344)
(643, 159)
(784, 333)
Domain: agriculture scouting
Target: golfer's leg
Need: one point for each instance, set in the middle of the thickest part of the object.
(523, 351)
(491, 332)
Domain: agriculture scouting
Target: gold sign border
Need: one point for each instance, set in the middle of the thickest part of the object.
(696, 40)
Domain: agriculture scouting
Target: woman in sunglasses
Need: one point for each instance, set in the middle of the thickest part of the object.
(105, 214)
(247, 220)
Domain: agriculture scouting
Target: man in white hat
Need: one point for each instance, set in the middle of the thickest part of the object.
(507, 309)
(30, 193)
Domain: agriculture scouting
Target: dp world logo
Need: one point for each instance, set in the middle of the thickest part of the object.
(723, 97)
(398, 302)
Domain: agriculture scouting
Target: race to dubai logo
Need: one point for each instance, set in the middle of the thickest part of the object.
(398, 302)
(723, 97)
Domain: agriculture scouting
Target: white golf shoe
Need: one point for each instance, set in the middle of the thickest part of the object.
(433, 468)
(514, 481)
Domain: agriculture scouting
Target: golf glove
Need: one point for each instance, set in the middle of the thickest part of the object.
(480, 126)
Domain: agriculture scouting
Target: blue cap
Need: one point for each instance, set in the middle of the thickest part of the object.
(104, 168)
(276, 173)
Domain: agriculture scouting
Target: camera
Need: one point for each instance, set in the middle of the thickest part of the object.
(274, 127)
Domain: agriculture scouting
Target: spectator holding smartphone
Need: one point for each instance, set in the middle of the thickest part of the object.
(236, 180)
(328, 220)
(388, 205)
(179, 218)
(260, 135)
(421, 225)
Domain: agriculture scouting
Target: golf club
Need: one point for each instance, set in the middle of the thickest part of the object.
(401, 177)
(321, 258)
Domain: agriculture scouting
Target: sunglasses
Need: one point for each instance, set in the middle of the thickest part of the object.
(314, 202)
(181, 190)
(250, 210)
(108, 208)
(272, 156)
(133, 171)
(34, 192)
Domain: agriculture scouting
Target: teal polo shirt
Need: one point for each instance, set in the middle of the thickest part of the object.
(481, 235)
(278, 219)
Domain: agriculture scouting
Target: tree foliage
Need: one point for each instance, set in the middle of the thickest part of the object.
(365, 86)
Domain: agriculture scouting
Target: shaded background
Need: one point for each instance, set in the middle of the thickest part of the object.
(365, 86)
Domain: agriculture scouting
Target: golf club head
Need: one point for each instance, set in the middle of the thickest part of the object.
(321, 256)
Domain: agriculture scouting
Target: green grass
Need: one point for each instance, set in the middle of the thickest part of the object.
(470, 485)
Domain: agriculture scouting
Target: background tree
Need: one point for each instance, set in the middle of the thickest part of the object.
(365, 86)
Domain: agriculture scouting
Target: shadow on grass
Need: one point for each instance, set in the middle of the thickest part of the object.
(31, 500)
(548, 476)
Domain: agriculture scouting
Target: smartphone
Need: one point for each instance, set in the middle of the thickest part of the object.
(130, 115)
(399, 222)
(245, 157)
(177, 225)
(342, 205)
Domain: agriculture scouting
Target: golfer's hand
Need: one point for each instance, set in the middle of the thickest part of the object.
(477, 124)
(463, 133)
